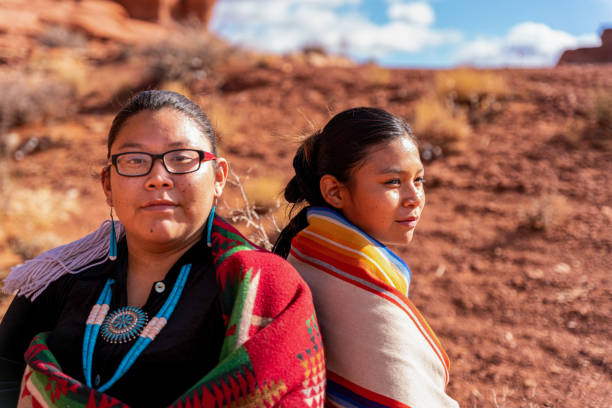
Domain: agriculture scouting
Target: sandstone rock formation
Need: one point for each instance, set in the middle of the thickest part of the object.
(101, 19)
(596, 55)
(166, 11)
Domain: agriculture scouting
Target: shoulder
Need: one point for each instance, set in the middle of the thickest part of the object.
(264, 262)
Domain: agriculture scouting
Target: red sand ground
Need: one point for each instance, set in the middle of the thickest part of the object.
(524, 314)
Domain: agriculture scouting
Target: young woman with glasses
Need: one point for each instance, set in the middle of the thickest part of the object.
(169, 305)
(362, 181)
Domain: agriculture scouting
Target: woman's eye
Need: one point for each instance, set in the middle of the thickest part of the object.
(135, 161)
(181, 159)
(393, 182)
(419, 180)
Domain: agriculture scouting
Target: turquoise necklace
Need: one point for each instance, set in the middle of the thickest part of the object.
(124, 325)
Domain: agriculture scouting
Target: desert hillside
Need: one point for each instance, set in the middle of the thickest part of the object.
(511, 262)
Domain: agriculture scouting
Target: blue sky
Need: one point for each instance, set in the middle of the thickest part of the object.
(426, 33)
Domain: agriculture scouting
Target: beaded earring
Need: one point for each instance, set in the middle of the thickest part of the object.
(209, 225)
(112, 251)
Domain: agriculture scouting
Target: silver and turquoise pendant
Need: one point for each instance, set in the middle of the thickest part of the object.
(124, 324)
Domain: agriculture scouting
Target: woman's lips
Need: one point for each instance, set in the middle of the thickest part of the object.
(159, 205)
(410, 222)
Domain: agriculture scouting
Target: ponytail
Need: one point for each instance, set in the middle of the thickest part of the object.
(283, 242)
(302, 188)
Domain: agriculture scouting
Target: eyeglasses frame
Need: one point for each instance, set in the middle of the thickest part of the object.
(204, 156)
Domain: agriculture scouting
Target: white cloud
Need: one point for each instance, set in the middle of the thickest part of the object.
(525, 44)
(415, 13)
(288, 25)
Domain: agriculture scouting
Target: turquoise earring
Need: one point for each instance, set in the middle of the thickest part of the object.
(112, 251)
(209, 225)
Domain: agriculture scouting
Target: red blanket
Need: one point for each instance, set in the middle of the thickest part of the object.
(272, 353)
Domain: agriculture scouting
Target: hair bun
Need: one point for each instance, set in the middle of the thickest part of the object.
(292, 191)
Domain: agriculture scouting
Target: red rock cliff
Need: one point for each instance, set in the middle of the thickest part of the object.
(597, 55)
(165, 11)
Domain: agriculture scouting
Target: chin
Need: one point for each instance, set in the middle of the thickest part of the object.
(163, 232)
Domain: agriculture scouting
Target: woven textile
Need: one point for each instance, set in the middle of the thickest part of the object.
(380, 350)
(271, 355)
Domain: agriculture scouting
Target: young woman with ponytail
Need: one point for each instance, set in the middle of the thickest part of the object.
(361, 182)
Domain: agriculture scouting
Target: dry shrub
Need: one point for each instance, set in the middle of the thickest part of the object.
(61, 36)
(571, 133)
(437, 123)
(27, 99)
(260, 223)
(479, 90)
(471, 86)
(601, 113)
(188, 55)
(545, 212)
(602, 109)
(595, 128)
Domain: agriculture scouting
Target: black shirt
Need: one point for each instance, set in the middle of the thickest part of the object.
(186, 349)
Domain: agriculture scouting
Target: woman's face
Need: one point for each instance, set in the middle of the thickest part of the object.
(385, 196)
(163, 210)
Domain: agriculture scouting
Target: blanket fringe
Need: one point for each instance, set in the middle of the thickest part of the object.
(32, 277)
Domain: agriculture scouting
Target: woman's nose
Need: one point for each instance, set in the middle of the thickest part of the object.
(159, 177)
(413, 197)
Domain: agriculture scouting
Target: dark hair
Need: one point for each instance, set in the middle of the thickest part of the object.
(337, 149)
(155, 100)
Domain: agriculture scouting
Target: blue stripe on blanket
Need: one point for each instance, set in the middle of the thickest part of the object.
(347, 398)
(397, 261)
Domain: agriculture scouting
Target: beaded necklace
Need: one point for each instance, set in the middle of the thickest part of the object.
(151, 330)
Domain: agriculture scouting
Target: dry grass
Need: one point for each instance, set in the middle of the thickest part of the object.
(264, 192)
(601, 118)
(223, 118)
(470, 86)
(441, 125)
(376, 75)
(480, 91)
(602, 110)
(35, 215)
(595, 128)
(260, 223)
(572, 132)
(545, 212)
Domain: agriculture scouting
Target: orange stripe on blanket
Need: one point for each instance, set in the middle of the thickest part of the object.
(406, 305)
(393, 278)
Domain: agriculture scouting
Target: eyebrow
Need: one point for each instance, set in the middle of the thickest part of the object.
(140, 145)
(396, 170)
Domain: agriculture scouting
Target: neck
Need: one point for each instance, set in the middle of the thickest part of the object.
(147, 265)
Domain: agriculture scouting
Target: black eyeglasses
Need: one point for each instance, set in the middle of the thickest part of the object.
(179, 161)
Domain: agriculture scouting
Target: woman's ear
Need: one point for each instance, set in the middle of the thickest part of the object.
(221, 172)
(106, 186)
(332, 191)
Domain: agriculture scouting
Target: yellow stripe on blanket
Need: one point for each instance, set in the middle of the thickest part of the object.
(354, 245)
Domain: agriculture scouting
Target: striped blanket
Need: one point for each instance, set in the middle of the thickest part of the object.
(271, 355)
(380, 350)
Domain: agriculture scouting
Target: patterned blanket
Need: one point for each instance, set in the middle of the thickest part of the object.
(271, 355)
(380, 350)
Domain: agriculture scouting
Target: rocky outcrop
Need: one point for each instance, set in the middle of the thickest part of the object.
(167, 11)
(597, 55)
(100, 19)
